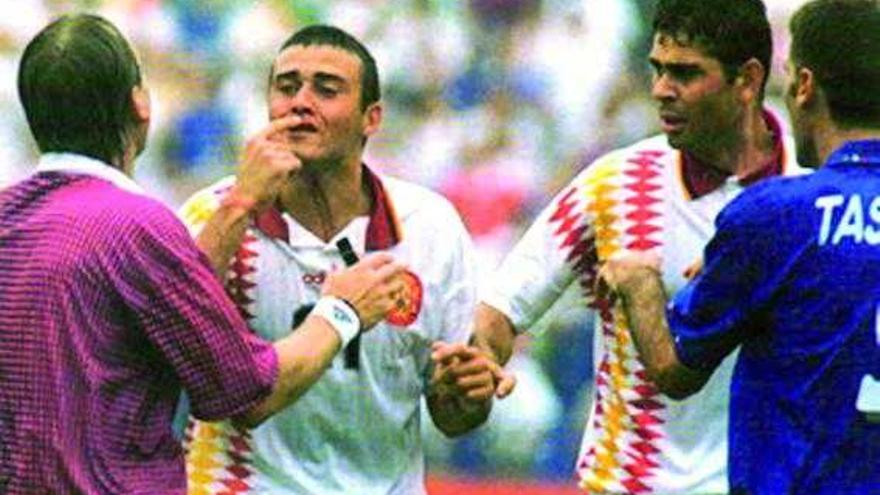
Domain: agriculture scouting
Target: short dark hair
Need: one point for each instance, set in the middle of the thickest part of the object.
(323, 35)
(732, 31)
(74, 81)
(839, 41)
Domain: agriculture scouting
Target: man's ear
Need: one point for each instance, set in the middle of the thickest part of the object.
(750, 80)
(140, 103)
(373, 119)
(806, 90)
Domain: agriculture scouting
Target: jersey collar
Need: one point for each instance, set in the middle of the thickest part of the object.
(75, 163)
(383, 229)
(861, 151)
(701, 179)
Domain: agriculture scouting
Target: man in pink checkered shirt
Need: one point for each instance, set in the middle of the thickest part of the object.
(107, 307)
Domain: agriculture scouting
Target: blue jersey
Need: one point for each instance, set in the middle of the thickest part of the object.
(793, 276)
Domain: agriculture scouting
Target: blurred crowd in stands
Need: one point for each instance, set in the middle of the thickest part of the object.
(494, 103)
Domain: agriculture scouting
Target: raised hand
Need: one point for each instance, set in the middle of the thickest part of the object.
(267, 163)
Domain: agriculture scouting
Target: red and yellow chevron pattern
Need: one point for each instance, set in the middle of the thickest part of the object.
(620, 202)
(219, 455)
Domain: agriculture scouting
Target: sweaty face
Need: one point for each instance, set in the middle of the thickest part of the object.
(698, 108)
(322, 85)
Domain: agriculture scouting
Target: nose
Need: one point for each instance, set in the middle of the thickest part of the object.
(663, 89)
(302, 102)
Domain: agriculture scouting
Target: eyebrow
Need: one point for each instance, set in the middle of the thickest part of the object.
(321, 77)
(674, 65)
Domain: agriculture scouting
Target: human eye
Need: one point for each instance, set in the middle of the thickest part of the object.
(685, 73)
(287, 87)
(326, 90)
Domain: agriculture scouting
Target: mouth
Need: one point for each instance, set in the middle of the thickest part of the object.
(671, 122)
(303, 128)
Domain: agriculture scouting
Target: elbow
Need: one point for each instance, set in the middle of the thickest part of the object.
(674, 383)
(250, 419)
(677, 391)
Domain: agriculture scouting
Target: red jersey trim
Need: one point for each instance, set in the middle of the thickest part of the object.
(383, 230)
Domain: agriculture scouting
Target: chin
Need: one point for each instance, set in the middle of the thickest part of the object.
(305, 156)
(305, 153)
(676, 141)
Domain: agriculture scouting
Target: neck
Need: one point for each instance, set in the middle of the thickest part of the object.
(749, 150)
(126, 162)
(830, 138)
(324, 198)
(134, 140)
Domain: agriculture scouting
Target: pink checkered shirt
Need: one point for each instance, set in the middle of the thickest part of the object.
(107, 310)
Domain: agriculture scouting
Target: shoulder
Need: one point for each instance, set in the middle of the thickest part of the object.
(783, 195)
(780, 190)
(658, 143)
(113, 204)
(654, 150)
(656, 147)
(611, 171)
(409, 199)
(771, 202)
(121, 217)
(151, 215)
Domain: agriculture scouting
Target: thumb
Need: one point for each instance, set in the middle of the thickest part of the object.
(506, 384)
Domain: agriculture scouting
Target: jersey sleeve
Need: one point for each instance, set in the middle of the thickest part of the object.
(556, 250)
(185, 314)
(745, 264)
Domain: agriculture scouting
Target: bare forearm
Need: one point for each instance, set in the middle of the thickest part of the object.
(222, 235)
(645, 306)
(353, 299)
(303, 357)
(493, 333)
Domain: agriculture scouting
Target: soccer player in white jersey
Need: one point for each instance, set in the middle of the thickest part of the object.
(355, 429)
(711, 60)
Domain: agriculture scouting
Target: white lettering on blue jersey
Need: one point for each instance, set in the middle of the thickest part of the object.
(827, 204)
(852, 223)
(872, 233)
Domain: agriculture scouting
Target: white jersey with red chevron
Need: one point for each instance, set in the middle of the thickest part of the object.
(636, 440)
(357, 429)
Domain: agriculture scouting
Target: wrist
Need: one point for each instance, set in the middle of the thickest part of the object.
(638, 277)
(637, 290)
(236, 200)
(340, 314)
